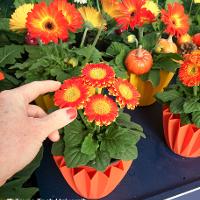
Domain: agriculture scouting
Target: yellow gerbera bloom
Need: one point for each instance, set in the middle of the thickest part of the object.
(196, 1)
(92, 17)
(18, 18)
(153, 7)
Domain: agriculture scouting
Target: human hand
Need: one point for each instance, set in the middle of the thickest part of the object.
(23, 127)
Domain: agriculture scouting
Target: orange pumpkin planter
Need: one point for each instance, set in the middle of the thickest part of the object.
(183, 140)
(90, 183)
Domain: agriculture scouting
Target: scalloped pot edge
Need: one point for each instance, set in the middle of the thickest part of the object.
(90, 183)
(183, 140)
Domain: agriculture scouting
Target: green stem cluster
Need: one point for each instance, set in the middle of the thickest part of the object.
(191, 7)
(84, 36)
(195, 90)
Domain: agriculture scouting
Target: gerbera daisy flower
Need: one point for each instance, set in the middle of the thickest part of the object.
(46, 23)
(92, 17)
(18, 18)
(189, 74)
(194, 57)
(176, 21)
(111, 7)
(98, 75)
(101, 109)
(2, 76)
(133, 14)
(126, 94)
(72, 15)
(73, 93)
(152, 6)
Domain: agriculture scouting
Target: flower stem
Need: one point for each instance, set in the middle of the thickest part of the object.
(98, 7)
(97, 37)
(84, 36)
(141, 33)
(83, 118)
(195, 90)
(191, 7)
(98, 129)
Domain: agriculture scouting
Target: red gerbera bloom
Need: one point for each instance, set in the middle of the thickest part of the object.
(98, 75)
(126, 94)
(73, 93)
(196, 39)
(72, 15)
(132, 14)
(46, 23)
(101, 109)
(2, 76)
(189, 74)
(175, 19)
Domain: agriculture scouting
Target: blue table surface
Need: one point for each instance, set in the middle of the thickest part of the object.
(157, 173)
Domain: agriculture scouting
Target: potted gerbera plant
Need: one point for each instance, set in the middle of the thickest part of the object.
(181, 114)
(97, 149)
(150, 59)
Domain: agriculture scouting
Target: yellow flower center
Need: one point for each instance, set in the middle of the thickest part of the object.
(125, 91)
(192, 70)
(176, 20)
(97, 73)
(101, 107)
(72, 94)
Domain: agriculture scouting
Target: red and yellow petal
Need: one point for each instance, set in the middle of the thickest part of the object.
(189, 74)
(98, 75)
(46, 23)
(126, 94)
(2, 76)
(101, 109)
(73, 93)
(71, 14)
(176, 21)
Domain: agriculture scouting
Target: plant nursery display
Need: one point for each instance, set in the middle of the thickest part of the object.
(181, 116)
(110, 56)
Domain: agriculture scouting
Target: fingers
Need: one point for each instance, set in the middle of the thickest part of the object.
(55, 121)
(32, 90)
(54, 137)
(35, 111)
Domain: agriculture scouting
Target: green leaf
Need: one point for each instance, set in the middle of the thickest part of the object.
(4, 24)
(75, 158)
(154, 77)
(191, 105)
(116, 47)
(176, 106)
(196, 118)
(58, 148)
(6, 8)
(8, 54)
(172, 1)
(185, 119)
(149, 41)
(168, 95)
(118, 141)
(89, 145)
(18, 3)
(101, 161)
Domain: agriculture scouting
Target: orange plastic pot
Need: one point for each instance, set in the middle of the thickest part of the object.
(183, 140)
(147, 90)
(90, 183)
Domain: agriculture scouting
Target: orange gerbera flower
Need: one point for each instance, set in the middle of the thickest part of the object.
(101, 109)
(194, 57)
(73, 93)
(175, 19)
(189, 74)
(72, 15)
(111, 7)
(133, 14)
(2, 76)
(46, 23)
(126, 94)
(98, 75)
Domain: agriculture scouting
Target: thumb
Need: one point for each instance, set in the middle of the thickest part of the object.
(56, 120)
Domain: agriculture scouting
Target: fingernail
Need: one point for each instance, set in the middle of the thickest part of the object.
(72, 113)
